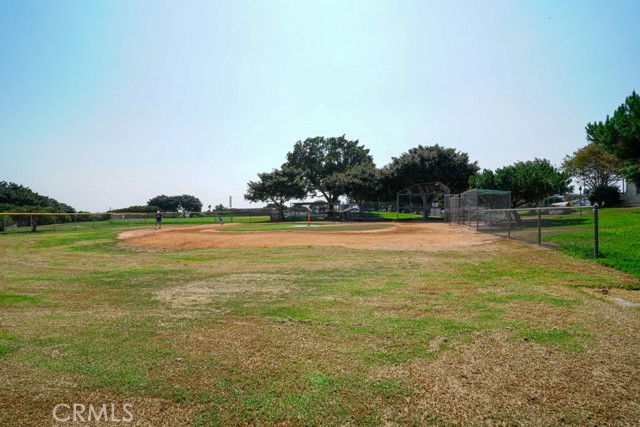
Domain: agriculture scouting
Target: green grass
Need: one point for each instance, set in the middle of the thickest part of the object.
(135, 222)
(619, 245)
(290, 336)
(7, 300)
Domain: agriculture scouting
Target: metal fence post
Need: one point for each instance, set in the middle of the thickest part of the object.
(509, 224)
(539, 228)
(54, 223)
(490, 221)
(595, 231)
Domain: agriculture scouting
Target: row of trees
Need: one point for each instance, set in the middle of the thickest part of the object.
(20, 199)
(17, 198)
(183, 203)
(335, 167)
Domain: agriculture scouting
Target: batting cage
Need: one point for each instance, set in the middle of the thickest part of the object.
(469, 208)
(422, 201)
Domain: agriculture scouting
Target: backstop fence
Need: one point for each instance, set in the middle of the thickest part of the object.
(463, 208)
(425, 199)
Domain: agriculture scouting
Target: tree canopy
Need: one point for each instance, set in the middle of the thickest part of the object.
(278, 187)
(15, 197)
(362, 183)
(322, 163)
(529, 182)
(429, 164)
(138, 209)
(620, 136)
(184, 202)
(594, 166)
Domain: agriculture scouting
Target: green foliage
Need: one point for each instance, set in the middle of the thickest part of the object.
(278, 187)
(17, 198)
(322, 164)
(138, 209)
(529, 182)
(429, 164)
(362, 183)
(620, 136)
(219, 207)
(605, 196)
(185, 202)
(593, 166)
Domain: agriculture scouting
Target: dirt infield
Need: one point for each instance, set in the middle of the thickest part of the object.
(399, 236)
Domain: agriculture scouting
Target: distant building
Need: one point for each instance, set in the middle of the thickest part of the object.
(631, 196)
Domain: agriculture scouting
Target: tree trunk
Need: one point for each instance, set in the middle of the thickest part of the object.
(517, 218)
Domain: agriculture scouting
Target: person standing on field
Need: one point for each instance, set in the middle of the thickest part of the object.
(220, 219)
(158, 220)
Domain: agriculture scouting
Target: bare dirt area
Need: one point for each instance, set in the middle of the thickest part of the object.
(400, 236)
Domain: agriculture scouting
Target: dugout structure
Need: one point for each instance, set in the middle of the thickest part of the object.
(426, 199)
(469, 208)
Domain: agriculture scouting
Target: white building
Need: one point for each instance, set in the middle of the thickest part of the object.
(631, 196)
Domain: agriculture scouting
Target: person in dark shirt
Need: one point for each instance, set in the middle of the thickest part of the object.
(220, 219)
(158, 220)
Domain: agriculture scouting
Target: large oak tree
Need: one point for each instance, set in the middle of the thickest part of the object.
(322, 164)
(429, 164)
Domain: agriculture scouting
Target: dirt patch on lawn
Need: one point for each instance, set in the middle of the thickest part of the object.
(202, 293)
(400, 236)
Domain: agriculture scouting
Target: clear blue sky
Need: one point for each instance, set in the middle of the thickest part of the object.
(109, 103)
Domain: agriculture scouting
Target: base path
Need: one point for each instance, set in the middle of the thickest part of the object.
(399, 236)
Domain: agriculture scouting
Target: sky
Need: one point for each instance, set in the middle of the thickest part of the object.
(108, 103)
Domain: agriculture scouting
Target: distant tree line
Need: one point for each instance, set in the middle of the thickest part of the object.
(20, 199)
(17, 198)
(183, 203)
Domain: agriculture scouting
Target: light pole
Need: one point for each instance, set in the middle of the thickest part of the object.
(580, 188)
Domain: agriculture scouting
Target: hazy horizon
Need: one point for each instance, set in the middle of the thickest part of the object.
(110, 103)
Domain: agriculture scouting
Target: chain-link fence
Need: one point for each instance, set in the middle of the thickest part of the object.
(32, 222)
(424, 200)
(463, 208)
(573, 228)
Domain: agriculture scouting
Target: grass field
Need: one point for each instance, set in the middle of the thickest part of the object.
(506, 335)
(619, 236)
(135, 222)
(619, 245)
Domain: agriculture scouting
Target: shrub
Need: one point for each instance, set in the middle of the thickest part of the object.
(604, 196)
